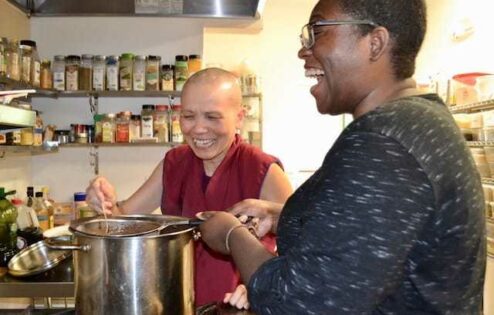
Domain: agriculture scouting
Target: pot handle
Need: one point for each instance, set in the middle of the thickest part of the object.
(51, 244)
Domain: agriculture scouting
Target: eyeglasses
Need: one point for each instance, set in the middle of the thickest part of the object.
(308, 39)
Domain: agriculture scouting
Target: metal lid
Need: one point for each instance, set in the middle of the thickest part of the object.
(37, 258)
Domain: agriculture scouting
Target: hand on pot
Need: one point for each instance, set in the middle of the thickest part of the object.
(101, 194)
(238, 298)
(265, 213)
(215, 229)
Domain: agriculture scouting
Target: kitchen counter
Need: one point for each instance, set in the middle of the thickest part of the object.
(59, 282)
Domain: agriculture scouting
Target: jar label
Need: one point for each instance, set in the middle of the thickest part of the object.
(112, 78)
(147, 126)
(59, 81)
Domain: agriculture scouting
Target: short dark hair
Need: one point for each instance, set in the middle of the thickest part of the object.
(406, 22)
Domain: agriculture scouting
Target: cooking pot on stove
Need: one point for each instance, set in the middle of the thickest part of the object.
(138, 264)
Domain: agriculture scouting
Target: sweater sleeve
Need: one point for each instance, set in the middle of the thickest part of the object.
(352, 227)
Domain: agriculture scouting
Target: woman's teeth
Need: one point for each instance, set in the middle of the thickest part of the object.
(203, 142)
(314, 73)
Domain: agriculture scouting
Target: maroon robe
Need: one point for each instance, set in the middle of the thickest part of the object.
(239, 176)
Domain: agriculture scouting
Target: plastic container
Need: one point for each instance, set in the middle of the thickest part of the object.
(99, 73)
(181, 71)
(108, 128)
(139, 73)
(86, 73)
(147, 117)
(72, 64)
(112, 67)
(125, 71)
(46, 75)
(485, 87)
(194, 64)
(59, 73)
(167, 80)
(176, 131)
(122, 127)
(464, 87)
(161, 120)
(153, 73)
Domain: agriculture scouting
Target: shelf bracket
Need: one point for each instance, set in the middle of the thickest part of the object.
(94, 159)
(93, 104)
(171, 100)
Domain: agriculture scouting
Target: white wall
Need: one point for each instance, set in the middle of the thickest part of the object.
(291, 122)
(70, 170)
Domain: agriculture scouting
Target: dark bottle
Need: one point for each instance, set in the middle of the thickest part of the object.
(8, 228)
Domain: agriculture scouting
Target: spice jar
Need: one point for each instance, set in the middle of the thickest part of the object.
(147, 114)
(125, 71)
(153, 73)
(13, 61)
(167, 81)
(134, 127)
(3, 56)
(27, 136)
(112, 65)
(81, 134)
(35, 66)
(122, 122)
(99, 69)
(194, 64)
(161, 123)
(181, 71)
(45, 75)
(176, 131)
(59, 73)
(86, 73)
(98, 131)
(108, 128)
(26, 51)
(72, 64)
(139, 73)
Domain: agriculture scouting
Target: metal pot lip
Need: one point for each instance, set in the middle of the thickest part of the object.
(140, 217)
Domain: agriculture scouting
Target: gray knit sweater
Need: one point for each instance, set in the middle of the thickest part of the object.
(392, 223)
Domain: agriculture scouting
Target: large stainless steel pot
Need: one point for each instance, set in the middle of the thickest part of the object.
(145, 274)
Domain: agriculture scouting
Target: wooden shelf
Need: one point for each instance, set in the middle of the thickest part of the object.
(26, 150)
(139, 144)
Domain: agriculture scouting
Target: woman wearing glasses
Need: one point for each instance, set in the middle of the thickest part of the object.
(392, 222)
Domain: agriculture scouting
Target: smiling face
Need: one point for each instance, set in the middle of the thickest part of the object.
(338, 60)
(211, 114)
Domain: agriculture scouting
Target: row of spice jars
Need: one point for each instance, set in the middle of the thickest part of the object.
(19, 61)
(122, 73)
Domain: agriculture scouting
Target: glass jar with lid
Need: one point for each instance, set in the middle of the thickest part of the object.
(112, 66)
(86, 73)
(45, 75)
(125, 71)
(122, 127)
(181, 71)
(139, 73)
(35, 66)
(13, 60)
(26, 50)
(72, 64)
(147, 115)
(108, 128)
(153, 73)
(98, 128)
(3, 56)
(59, 73)
(161, 123)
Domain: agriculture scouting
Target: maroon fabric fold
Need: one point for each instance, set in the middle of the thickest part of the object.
(239, 176)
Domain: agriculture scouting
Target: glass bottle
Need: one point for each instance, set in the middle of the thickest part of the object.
(46, 75)
(147, 114)
(176, 131)
(3, 56)
(86, 73)
(181, 71)
(194, 64)
(72, 64)
(59, 73)
(125, 71)
(135, 127)
(13, 61)
(139, 73)
(167, 81)
(38, 130)
(99, 71)
(153, 73)
(35, 66)
(26, 51)
(41, 211)
(98, 131)
(8, 228)
(122, 127)
(161, 123)
(112, 65)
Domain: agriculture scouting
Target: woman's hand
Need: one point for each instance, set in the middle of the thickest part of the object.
(215, 229)
(238, 298)
(100, 194)
(265, 212)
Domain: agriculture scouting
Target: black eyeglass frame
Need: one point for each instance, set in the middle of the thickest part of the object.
(310, 41)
